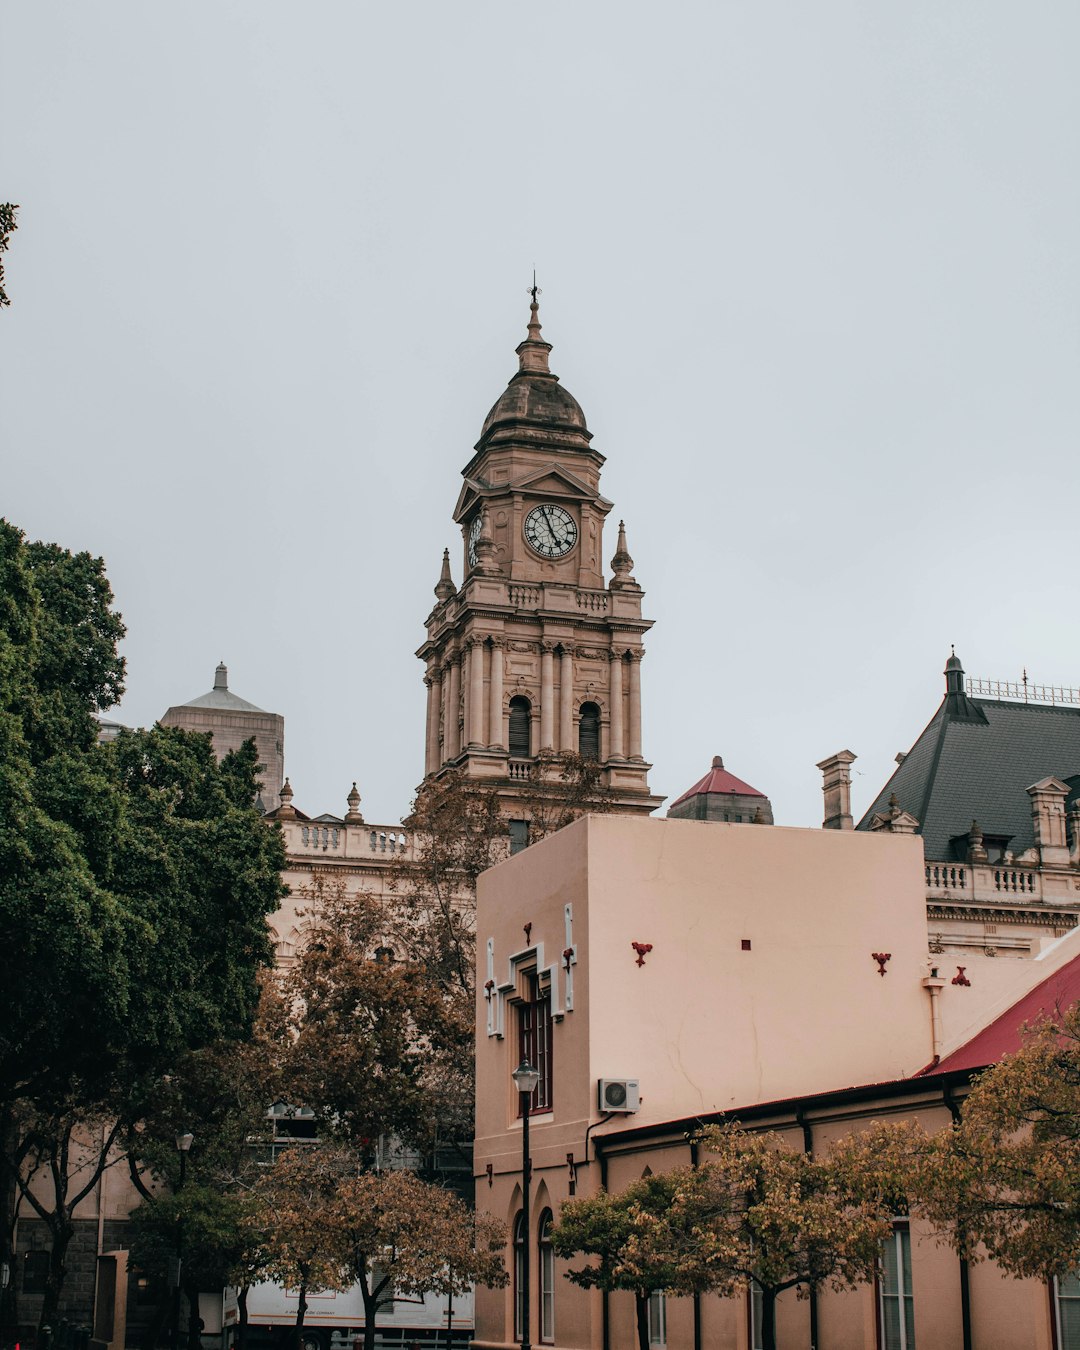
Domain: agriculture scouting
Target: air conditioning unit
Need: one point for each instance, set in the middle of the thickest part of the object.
(619, 1095)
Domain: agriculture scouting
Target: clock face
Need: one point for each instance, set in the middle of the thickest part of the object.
(551, 531)
(474, 535)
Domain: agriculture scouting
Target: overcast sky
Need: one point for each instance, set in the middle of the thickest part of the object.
(810, 268)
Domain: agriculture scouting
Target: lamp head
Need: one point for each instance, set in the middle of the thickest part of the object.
(184, 1142)
(526, 1077)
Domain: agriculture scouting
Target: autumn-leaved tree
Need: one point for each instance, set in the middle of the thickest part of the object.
(563, 787)
(380, 1046)
(753, 1212)
(639, 1241)
(1004, 1181)
(218, 1094)
(291, 1222)
(404, 1235)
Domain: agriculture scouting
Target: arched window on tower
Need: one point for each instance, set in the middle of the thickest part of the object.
(520, 727)
(589, 731)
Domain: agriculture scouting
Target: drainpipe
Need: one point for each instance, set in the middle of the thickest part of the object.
(694, 1158)
(965, 1286)
(933, 984)
(601, 1158)
(808, 1149)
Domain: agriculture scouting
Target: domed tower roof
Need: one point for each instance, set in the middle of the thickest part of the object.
(535, 406)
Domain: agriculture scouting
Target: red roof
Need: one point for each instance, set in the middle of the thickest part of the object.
(1002, 1035)
(718, 780)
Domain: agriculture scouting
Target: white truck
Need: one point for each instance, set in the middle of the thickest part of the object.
(335, 1321)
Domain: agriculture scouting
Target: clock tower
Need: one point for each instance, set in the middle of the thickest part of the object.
(536, 652)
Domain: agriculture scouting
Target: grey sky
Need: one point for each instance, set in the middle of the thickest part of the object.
(811, 270)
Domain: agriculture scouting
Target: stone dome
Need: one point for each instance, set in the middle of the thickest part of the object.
(534, 397)
(534, 404)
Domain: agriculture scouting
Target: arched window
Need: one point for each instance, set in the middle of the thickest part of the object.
(547, 1278)
(519, 1276)
(589, 732)
(520, 727)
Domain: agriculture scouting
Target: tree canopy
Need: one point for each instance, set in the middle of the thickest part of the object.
(752, 1212)
(135, 881)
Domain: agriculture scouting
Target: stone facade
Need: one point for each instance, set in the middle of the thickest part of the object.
(536, 653)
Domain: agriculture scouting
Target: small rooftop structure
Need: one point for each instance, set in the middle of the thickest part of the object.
(722, 796)
(221, 696)
(231, 720)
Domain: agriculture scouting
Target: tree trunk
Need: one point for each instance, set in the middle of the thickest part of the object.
(195, 1323)
(301, 1309)
(242, 1313)
(768, 1319)
(371, 1309)
(62, 1234)
(641, 1309)
(152, 1334)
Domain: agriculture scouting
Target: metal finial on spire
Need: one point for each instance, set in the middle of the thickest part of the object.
(533, 352)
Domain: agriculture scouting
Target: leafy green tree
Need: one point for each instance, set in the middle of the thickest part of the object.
(135, 881)
(7, 228)
(208, 1230)
(635, 1237)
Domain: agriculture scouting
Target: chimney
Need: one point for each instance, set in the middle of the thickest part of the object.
(836, 785)
(1048, 821)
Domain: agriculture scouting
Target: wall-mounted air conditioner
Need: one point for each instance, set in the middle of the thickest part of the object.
(619, 1095)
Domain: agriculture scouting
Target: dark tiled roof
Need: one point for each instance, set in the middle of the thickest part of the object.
(974, 762)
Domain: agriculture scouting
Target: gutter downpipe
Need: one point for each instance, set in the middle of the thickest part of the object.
(933, 984)
(965, 1286)
(601, 1158)
(694, 1157)
(808, 1149)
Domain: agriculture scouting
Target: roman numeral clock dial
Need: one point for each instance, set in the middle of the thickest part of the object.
(550, 531)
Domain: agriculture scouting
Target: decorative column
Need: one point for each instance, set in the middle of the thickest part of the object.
(452, 741)
(496, 735)
(617, 747)
(547, 695)
(635, 704)
(476, 692)
(444, 723)
(466, 665)
(566, 699)
(434, 708)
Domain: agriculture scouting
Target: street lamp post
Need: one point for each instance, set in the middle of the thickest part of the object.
(525, 1080)
(183, 1147)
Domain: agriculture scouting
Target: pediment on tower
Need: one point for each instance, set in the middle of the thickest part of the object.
(549, 480)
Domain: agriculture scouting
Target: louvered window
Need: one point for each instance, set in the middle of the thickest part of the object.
(589, 731)
(520, 728)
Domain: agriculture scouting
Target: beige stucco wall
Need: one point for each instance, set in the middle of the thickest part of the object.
(707, 1026)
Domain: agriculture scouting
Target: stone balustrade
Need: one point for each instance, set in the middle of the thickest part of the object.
(982, 882)
(341, 841)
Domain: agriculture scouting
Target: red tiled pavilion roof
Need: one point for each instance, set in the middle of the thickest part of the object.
(1002, 1035)
(719, 781)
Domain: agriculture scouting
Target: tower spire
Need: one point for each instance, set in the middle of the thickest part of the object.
(622, 564)
(533, 352)
(445, 587)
